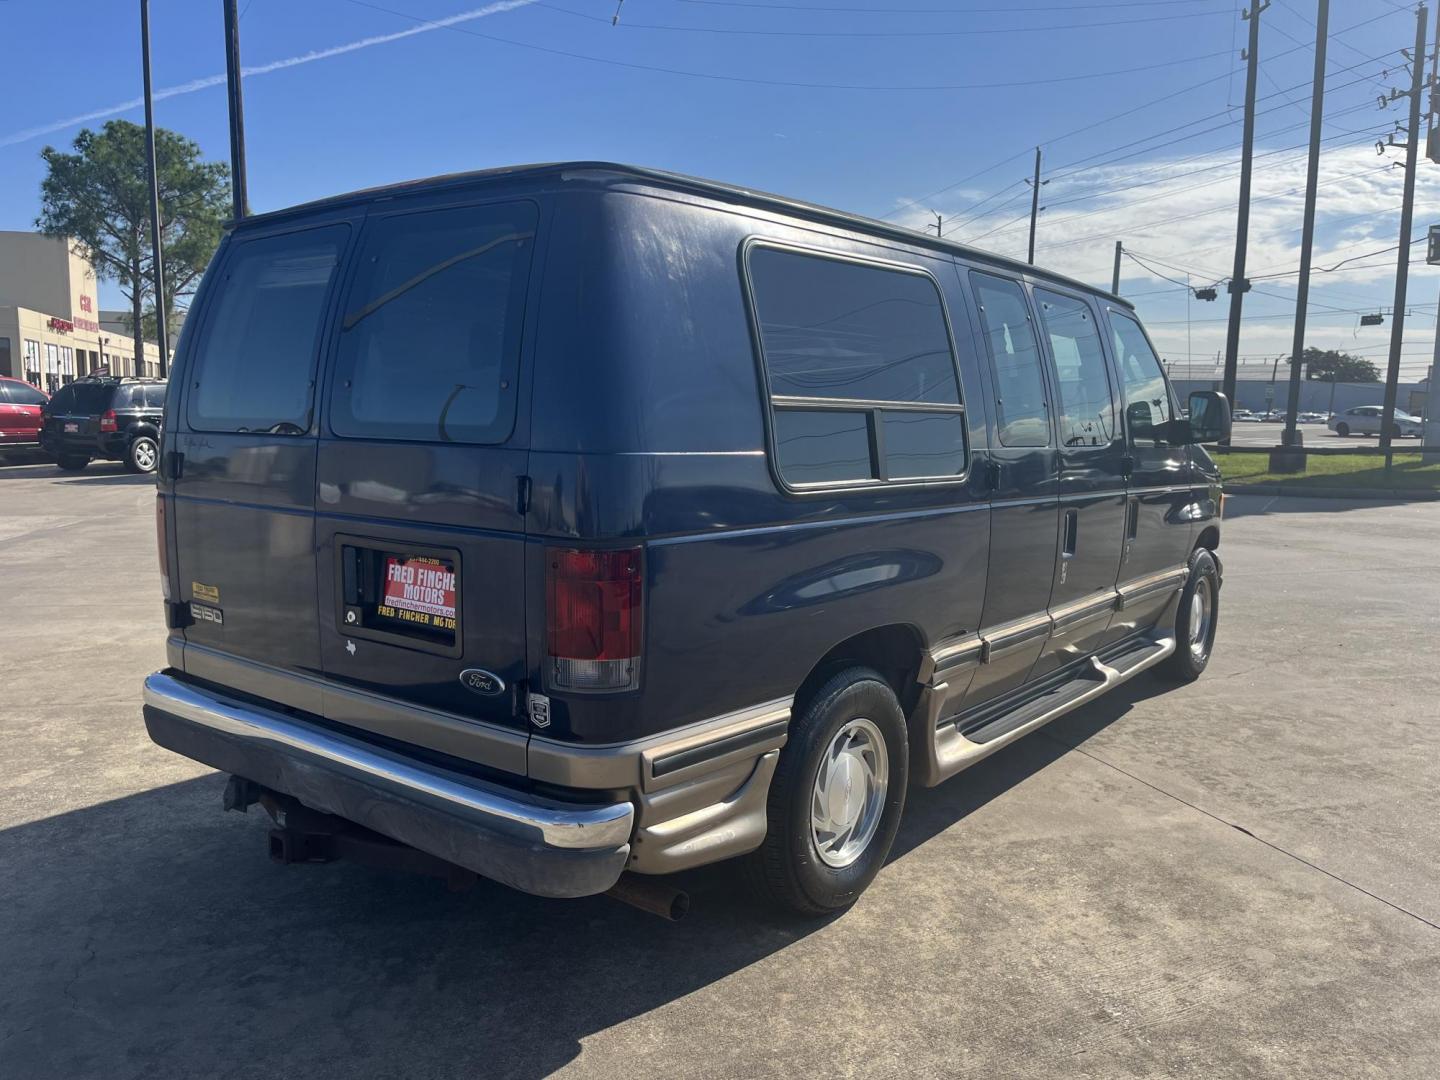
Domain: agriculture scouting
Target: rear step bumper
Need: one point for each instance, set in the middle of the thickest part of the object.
(538, 845)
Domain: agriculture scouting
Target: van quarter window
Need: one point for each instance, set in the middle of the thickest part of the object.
(1147, 397)
(255, 367)
(861, 372)
(431, 334)
(1021, 404)
(1087, 413)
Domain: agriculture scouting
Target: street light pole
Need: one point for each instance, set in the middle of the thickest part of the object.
(235, 98)
(1291, 436)
(156, 243)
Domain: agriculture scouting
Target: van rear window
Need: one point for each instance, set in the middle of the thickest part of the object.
(430, 339)
(255, 367)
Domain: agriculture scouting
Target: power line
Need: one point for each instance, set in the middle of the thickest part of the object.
(971, 31)
(933, 11)
(795, 84)
(905, 205)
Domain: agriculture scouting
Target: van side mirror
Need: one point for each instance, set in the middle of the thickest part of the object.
(1209, 416)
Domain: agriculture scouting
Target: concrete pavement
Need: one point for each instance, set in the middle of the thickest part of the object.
(1236, 878)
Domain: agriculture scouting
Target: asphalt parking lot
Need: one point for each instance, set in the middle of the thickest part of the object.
(1236, 878)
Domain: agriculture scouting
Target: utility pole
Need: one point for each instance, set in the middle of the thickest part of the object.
(1239, 286)
(939, 225)
(1034, 204)
(1115, 277)
(236, 102)
(1430, 431)
(1292, 436)
(157, 253)
(1407, 216)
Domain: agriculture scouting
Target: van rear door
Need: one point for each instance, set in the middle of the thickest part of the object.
(244, 479)
(420, 539)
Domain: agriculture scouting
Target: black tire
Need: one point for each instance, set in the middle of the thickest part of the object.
(71, 463)
(1342, 429)
(1395, 432)
(787, 869)
(1188, 662)
(142, 455)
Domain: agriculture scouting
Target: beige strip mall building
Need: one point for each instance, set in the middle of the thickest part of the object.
(51, 330)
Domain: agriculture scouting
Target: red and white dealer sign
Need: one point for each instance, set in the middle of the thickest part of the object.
(422, 585)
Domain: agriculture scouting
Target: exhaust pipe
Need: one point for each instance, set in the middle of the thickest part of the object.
(651, 895)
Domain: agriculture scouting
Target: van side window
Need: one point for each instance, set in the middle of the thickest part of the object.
(1021, 403)
(255, 367)
(430, 340)
(1147, 396)
(860, 369)
(1086, 409)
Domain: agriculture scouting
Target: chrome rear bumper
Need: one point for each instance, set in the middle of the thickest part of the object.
(539, 845)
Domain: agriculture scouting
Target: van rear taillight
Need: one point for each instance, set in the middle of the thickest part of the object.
(107, 421)
(160, 540)
(593, 604)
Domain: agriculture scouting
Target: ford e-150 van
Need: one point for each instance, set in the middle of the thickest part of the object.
(574, 521)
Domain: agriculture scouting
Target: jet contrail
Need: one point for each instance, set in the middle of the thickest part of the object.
(208, 81)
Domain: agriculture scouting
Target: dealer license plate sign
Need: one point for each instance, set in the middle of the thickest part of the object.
(419, 591)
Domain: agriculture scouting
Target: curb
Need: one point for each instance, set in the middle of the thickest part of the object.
(1371, 494)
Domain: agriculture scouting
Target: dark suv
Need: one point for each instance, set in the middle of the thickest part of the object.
(577, 521)
(117, 419)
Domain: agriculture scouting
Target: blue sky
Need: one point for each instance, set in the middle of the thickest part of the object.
(862, 104)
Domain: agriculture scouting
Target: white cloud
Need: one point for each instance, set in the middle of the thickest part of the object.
(1173, 211)
(208, 81)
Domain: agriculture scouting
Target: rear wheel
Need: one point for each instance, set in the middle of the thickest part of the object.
(142, 454)
(836, 798)
(1395, 431)
(1195, 620)
(72, 463)
(1342, 429)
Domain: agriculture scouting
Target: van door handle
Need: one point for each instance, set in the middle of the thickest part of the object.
(1132, 519)
(1072, 534)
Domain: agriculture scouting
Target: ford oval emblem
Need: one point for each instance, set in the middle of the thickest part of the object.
(482, 682)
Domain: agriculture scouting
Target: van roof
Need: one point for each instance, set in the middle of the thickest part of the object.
(593, 170)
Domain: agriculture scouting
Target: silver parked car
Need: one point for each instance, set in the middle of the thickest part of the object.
(1365, 420)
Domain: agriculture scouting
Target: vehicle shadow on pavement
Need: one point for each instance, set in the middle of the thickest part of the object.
(152, 934)
(106, 473)
(929, 812)
(1243, 505)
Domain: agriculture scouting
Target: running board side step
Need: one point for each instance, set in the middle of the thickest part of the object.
(941, 751)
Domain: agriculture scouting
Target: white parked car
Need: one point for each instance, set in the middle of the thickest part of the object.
(1365, 420)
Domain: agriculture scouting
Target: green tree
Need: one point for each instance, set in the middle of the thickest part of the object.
(1330, 365)
(98, 195)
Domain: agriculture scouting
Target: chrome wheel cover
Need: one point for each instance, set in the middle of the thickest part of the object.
(1202, 609)
(849, 796)
(144, 454)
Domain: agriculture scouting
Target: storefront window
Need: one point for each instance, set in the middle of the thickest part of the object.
(32, 362)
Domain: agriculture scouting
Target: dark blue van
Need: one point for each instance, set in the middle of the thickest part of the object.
(575, 521)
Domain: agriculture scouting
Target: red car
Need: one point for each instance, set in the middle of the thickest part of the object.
(20, 405)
